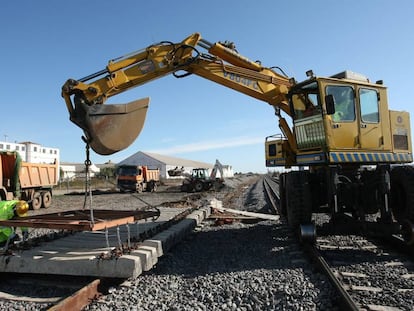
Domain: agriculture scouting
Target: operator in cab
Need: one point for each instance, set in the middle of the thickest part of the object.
(8, 210)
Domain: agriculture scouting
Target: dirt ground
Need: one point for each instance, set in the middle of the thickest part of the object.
(110, 198)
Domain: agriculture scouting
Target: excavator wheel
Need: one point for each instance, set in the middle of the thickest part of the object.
(307, 234)
(298, 198)
(402, 195)
(407, 231)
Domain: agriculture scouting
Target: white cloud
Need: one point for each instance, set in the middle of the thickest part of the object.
(209, 145)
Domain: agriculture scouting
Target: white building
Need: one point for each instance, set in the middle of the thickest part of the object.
(32, 152)
(70, 171)
(166, 163)
(67, 171)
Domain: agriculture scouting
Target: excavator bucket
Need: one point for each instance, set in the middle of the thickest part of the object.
(112, 128)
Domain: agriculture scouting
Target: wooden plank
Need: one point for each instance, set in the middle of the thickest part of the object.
(230, 216)
(251, 214)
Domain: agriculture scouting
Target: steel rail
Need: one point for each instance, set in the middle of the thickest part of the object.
(348, 302)
(316, 257)
(79, 299)
(271, 194)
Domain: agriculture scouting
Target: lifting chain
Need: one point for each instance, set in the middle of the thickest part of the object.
(88, 189)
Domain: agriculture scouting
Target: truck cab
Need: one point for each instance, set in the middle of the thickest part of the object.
(137, 178)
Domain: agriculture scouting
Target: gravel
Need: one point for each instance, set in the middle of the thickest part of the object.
(236, 266)
(367, 265)
(230, 267)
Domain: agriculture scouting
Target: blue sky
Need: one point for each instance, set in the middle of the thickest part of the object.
(46, 42)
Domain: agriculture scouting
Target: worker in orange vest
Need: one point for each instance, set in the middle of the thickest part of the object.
(9, 209)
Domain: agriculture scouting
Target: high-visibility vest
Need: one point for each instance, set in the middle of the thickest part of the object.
(7, 209)
(6, 213)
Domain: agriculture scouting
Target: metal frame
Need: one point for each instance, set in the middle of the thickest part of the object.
(80, 220)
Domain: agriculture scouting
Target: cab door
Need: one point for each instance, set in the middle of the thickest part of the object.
(342, 126)
(370, 131)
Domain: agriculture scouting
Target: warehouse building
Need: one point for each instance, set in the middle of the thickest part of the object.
(165, 163)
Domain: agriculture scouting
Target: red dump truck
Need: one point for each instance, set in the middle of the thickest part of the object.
(32, 182)
(137, 178)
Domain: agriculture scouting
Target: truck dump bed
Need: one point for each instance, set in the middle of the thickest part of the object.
(38, 175)
(16, 174)
(152, 174)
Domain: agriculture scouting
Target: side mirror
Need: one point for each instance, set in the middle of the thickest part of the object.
(330, 104)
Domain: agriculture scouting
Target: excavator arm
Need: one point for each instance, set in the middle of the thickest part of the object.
(111, 128)
(218, 167)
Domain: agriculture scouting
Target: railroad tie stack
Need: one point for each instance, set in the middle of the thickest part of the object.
(81, 254)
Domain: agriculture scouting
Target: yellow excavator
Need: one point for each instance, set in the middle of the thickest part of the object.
(348, 152)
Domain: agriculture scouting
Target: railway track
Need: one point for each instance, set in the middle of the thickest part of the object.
(55, 292)
(367, 274)
(373, 277)
(263, 273)
(51, 293)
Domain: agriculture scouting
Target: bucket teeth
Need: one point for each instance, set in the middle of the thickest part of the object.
(112, 128)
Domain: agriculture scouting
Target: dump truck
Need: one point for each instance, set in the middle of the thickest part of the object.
(354, 154)
(137, 178)
(32, 182)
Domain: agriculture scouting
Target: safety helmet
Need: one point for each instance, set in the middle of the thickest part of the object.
(21, 208)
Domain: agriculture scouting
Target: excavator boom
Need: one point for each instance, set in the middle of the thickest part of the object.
(111, 128)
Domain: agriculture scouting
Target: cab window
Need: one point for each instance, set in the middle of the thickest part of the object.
(369, 105)
(344, 102)
(305, 101)
(272, 150)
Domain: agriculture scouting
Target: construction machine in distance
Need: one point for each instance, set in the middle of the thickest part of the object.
(200, 180)
(137, 178)
(353, 153)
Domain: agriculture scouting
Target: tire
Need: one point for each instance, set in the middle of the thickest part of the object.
(36, 201)
(218, 185)
(402, 194)
(298, 198)
(207, 186)
(198, 186)
(46, 199)
(184, 188)
(149, 186)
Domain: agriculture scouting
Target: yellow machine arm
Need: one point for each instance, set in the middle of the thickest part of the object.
(111, 128)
